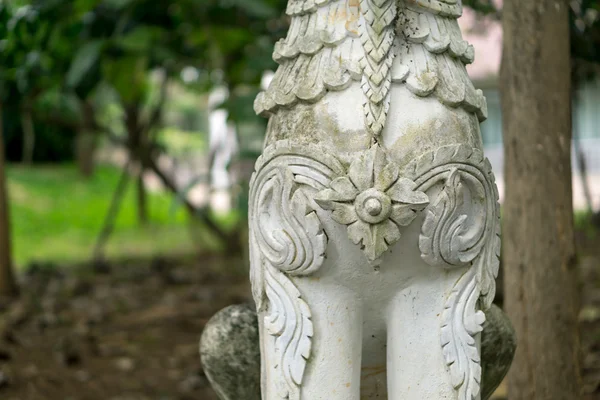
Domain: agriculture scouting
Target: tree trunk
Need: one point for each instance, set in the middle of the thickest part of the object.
(8, 285)
(142, 202)
(539, 252)
(85, 147)
(136, 145)
(85, 142)
(28, 135)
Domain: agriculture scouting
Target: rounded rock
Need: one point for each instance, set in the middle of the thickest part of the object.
(230, 353)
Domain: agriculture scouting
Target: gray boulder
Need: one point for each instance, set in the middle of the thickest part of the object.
(230, 352)
(498, 346)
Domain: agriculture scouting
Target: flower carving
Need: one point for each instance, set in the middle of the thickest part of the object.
(374, 201)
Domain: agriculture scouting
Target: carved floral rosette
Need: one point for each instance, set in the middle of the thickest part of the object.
(375, 198)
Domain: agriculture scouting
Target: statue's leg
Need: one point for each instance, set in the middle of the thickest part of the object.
(334, 363)
(416, 365)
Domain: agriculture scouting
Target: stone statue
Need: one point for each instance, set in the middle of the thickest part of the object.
(230, 352)
(374, 222)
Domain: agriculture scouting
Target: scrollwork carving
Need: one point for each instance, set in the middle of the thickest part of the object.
(479, 233)
(444, 239)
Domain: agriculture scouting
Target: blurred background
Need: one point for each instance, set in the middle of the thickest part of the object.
(129, 139)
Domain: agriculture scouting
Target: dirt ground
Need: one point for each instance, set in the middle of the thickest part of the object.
(132, 334)
(128, 335)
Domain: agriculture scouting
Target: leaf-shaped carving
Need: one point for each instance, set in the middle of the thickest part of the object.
(318, 55)
(289, 320)
(461, 322)
(285, 230)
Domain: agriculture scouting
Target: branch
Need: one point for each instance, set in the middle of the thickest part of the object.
(111, 215)
(202, 215)
(156, 114)
(58, 120)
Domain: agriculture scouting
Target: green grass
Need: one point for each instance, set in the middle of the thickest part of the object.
(584, 223)
(56, 216)
(179, 142)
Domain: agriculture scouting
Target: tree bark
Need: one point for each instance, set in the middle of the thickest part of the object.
(8, 287)
(85, 147)
(28, 135)
(142, 198)
(539, 252)
(137, 148)
(86, 140)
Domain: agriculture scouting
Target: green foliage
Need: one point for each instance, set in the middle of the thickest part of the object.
(83, 61)
(53, 143)
(585, 39)
(76, 45)
(482, 6)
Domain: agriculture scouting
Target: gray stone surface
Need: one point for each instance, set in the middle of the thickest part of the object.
(230, 352)
(498, 346)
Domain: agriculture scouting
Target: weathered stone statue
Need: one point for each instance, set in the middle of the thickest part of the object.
(373, 212)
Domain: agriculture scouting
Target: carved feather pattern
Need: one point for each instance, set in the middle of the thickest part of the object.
(377, 35)
(321, 52)
(333, 43)
(289, 320)
(437, 34)
(287, 239)
(461, 322)
(432, 57)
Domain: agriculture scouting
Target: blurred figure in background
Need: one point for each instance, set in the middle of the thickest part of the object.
(223, 146)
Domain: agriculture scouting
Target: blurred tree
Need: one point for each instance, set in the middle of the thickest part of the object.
(538, 242)
(8, 285)
(27, 66)
(129, 45)
(76, 47)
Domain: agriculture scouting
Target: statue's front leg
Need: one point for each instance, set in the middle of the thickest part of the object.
(452, 273)
(310, 326)
(333, 366)
(415, 361)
